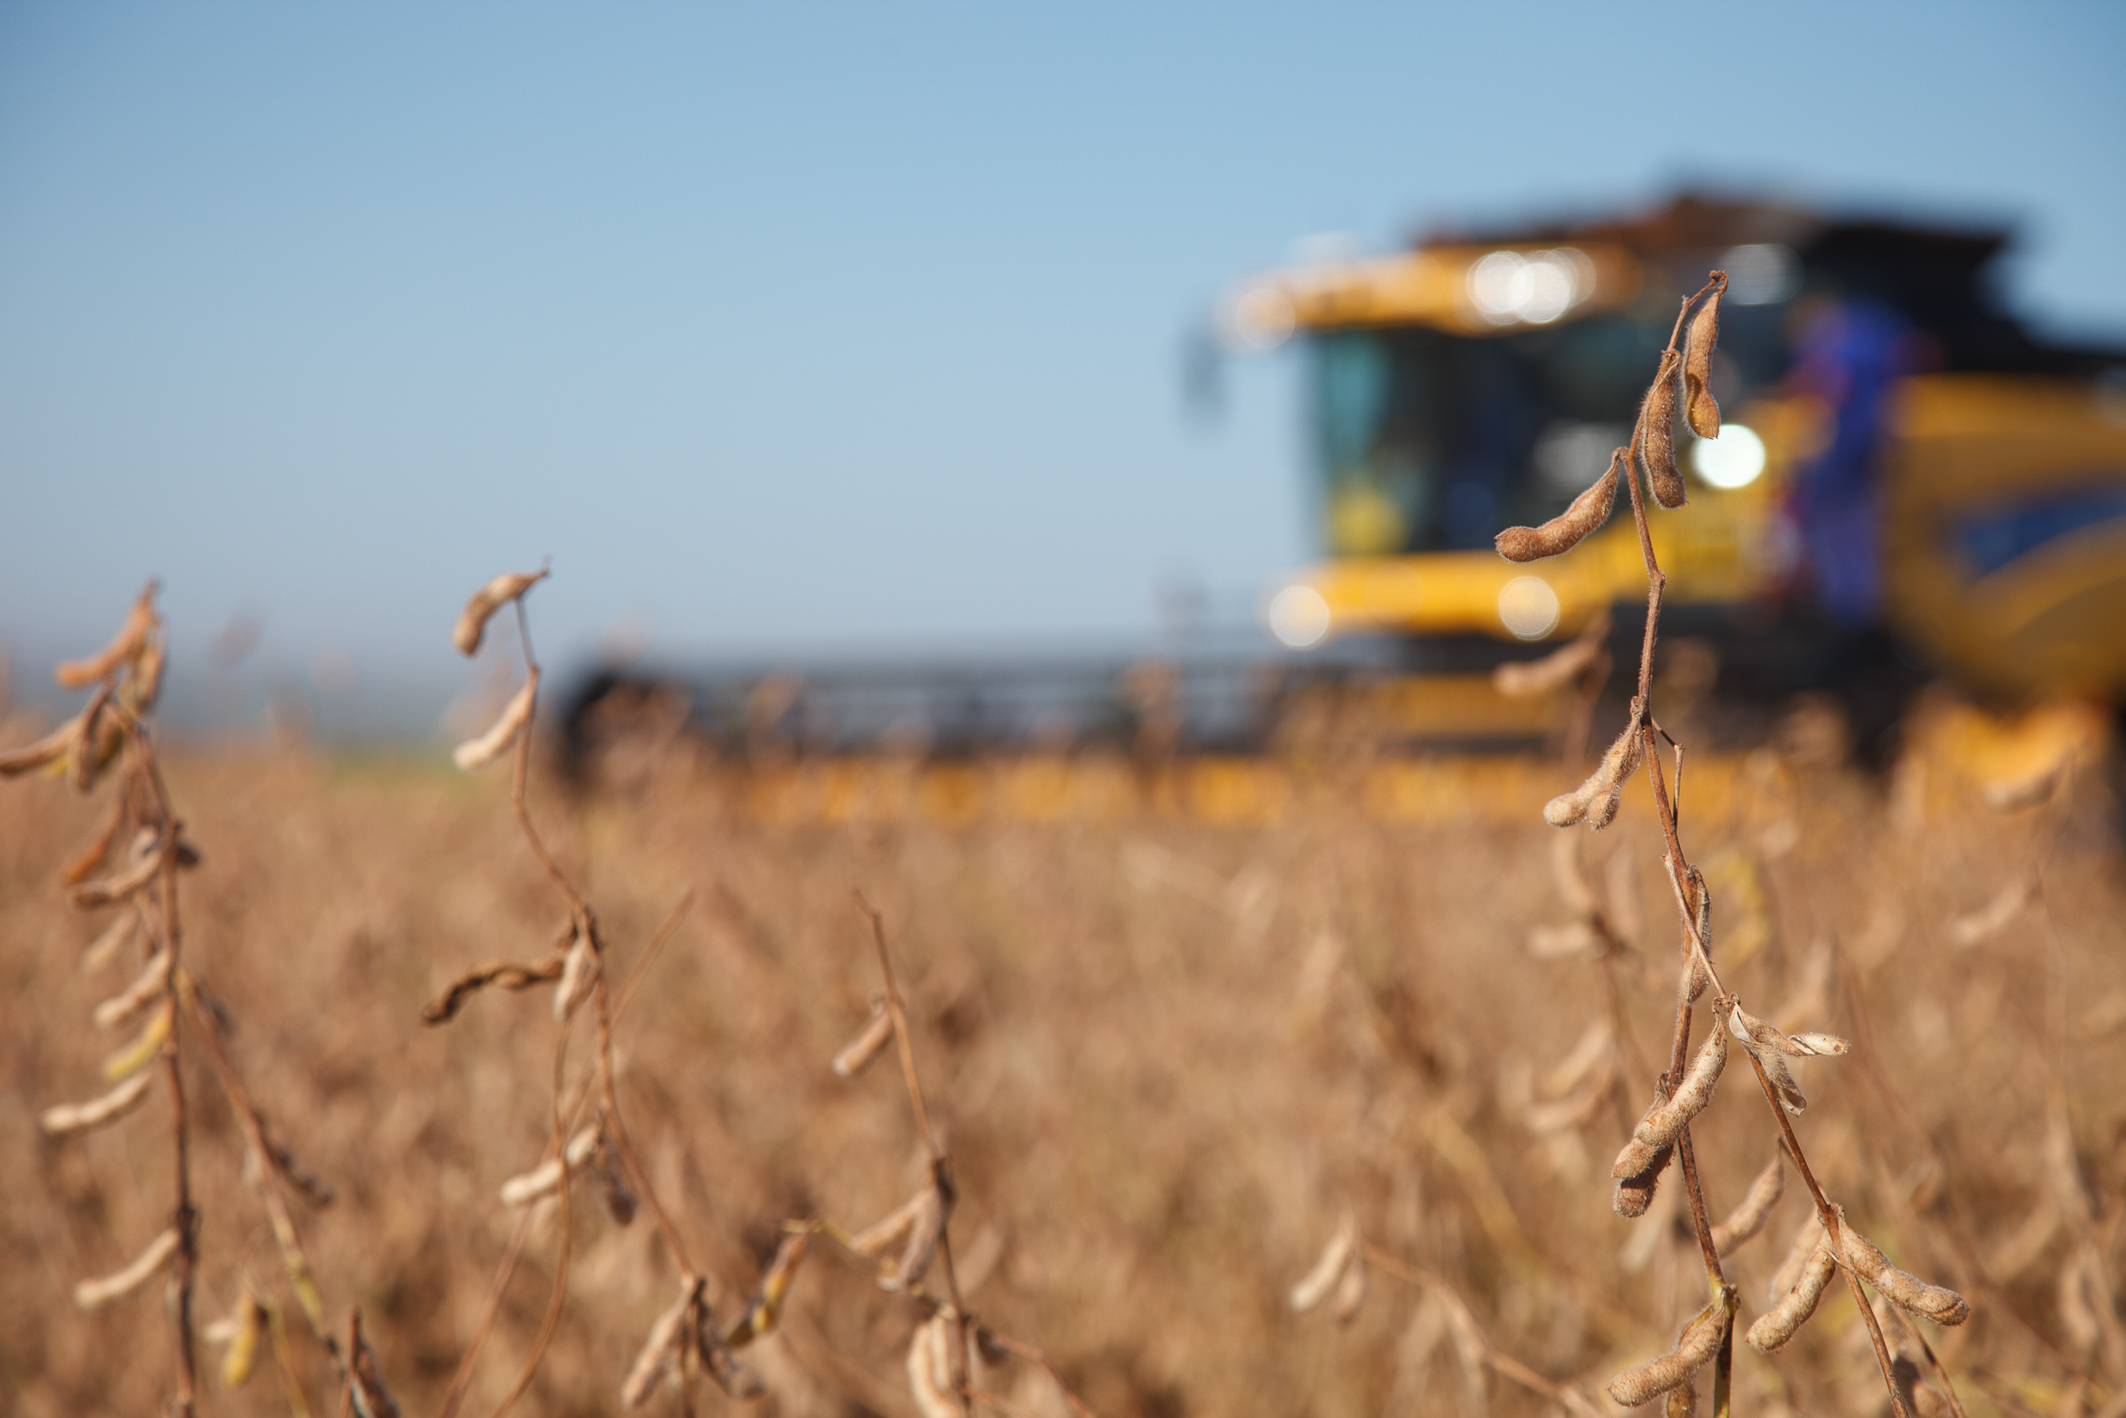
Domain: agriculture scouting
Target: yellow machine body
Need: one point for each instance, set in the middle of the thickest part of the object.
(2003, 511)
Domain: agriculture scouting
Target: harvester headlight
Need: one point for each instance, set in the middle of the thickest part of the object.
(1299, 617)
(1537, 288)
(1734, 459)
(1528, 607)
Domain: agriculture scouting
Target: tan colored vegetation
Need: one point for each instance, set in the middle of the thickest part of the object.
(1159, 1100)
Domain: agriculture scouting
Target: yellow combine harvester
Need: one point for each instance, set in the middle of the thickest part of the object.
(1906, 482)
(1475, 383)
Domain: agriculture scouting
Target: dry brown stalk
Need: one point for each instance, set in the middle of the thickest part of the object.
(604, 1151)
(941, 1355)
(1683, 1091)
(111, 737)
(491, 1307)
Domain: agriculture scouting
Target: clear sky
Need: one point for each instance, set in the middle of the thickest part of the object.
(809, 325)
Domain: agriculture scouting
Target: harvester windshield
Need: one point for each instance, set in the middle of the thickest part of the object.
(1429, 440)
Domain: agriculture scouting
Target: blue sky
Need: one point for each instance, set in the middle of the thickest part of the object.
(798, 326)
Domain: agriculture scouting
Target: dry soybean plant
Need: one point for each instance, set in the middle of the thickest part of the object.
(946, 1358)
(951, 1347)
(1828, 1244)
(685, 1342)
(131, 868)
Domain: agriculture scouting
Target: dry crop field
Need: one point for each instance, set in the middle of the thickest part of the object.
(1302, 1116)
(1167, 1060)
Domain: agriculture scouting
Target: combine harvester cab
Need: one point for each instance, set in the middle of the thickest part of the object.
(1476, 383)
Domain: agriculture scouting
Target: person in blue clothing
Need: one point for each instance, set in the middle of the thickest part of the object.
(1849, 354)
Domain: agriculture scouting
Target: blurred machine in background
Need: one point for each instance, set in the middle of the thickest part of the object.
(1907, 483)
(1903, 470)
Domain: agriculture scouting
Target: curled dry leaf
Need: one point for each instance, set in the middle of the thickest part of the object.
(1771, 1048)
(1818, 1264)
(1566, 530)
(1682, 1400)
(1747, 1219)
(95, 1294)
(1695, 1347)
(479, 752)
(667, 1336)
(857, 1054)
(80, 674)
(472, 621)
(1754, 1031)
(1657, 437)
(1666, 1119)
(505, 974)
(1699, 406)
(1525, 679)
(70, 1118)
(1907, 1292)
(1335, 1258)
(1595, 801)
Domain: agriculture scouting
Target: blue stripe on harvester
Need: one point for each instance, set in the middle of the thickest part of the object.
(1992, 540)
